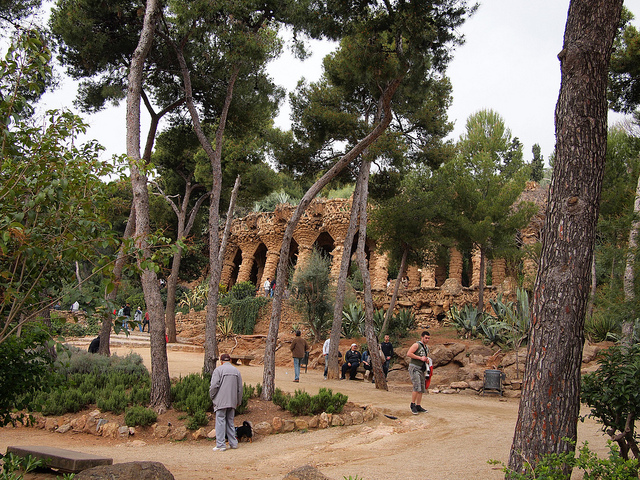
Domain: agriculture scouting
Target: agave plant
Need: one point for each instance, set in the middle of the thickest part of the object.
(225, 327)
(353, 320)
(196, 297)
(466, 320)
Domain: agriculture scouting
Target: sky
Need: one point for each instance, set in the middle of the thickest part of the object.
(508, 63)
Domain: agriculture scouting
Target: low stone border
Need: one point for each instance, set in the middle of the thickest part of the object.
(92, 424)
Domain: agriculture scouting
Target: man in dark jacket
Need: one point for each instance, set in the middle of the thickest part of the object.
(298, 348)
(387, 352)
(352, 360)
(226, 395)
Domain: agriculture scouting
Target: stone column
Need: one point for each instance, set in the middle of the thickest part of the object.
(498, 271)
(455, 265)
(413, 273)
(305, 237)
(379, 270)
(428, 277)
(228, 266)
(475, 264)
(336, 260)
(244, 274)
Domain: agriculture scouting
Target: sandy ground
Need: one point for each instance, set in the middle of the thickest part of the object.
(453, 441)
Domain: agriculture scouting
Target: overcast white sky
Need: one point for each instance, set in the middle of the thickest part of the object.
(508, 63)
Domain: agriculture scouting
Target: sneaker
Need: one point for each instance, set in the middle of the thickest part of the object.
(420, 409)
(296, 381)
(219, 449)
(233, 446)
(414, 409)
(325, 378)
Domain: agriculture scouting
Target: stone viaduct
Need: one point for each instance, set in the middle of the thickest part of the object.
(254, 249)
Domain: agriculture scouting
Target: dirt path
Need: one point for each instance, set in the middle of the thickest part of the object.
(453, 441)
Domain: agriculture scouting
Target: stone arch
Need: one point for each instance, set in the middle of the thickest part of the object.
(260, 260)
(325, 243)
(235, 269)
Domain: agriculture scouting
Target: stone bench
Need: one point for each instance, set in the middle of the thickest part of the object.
(244, 359)
(67, 461)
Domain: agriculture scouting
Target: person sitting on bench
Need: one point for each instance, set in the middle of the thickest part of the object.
(366, 363)
(352, 360)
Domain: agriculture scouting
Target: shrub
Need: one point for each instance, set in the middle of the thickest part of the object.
(325, 401)
(601, 327)
(613, 393)
(301, 403)
(555, 466)
(113, 400)
(402, 322)
(280, 398)
(139, 416)
(247, 392)
(197, 420)
(353, 320)
(191, 393)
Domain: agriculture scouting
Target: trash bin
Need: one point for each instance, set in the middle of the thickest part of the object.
(493, 381)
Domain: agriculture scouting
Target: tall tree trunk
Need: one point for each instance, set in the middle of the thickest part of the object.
(215, 158)
(121, 258)
(185, 223)
(369, 330)
(594, 287)
(333, 371)
(550, 402)
(160, 384)
(269, 373)
(629, 270)
(396, 288)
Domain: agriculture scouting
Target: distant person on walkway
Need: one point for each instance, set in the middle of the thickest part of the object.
(273, 287)
(226, 396)
(299, 347)
(267, 287)
(418, 365)
(123, 318)
(387, 351)
(127, 311)
(325, 352)
(352, 360)
(146, 322)
(137, 317)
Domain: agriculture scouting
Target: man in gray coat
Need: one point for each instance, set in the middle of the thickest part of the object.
(226, 395)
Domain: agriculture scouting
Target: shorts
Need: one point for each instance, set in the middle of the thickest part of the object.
(417, 378)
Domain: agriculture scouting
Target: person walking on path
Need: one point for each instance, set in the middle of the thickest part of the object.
(298, 347)
(267, 287)
(325, 352)
(226, 396)
(387, 352)
(137, 317)
(418, 365)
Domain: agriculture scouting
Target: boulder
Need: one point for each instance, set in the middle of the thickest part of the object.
(288, 426)
(161, 431)
(357, 418)
(180, 433)
(306, 472)
(110, 430)
(301, 424)
(127, 471)
(589, 353)
(64, 428)
(51, 424)
(277, 424)
(200, 433)
(452, 286)
(262, 428)
(123, 431)
(337, 421)
(369, 413)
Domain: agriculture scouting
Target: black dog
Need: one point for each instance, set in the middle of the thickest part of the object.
(244, 431)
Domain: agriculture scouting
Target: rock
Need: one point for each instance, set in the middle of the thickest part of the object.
(276, 423)
(301, 424)
(337, 421)
(441, 355)
(511, 393)
(346, 418)
(179, 433)
(449, 391)
(132, 430)
(459, 385)
(313, 423)
(127, 471)
(110, 430)
(262, 428)
(589, 353)
(200, 433)
(476, 385)
(51, 424)
(288, 426)
(357, 417)
(369, 413)
(161, 431)
(306, 472)
(123, 431)
(212, 433)
(325, 418)
(95, 413)
(80, 422)
(91, 425)
(64, 428)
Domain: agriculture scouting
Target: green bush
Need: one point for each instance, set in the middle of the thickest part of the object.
(554, 466)
(139, 416)
(602, 327)
(113, 400)
(191, 393)
(197, 420)
(247, 392)
(301, 403)
(402, 323)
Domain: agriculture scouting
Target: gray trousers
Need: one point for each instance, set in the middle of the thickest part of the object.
(224, 426)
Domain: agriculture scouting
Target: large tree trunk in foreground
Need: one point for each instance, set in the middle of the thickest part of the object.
(550, 402)
(269, 375)
(160, 384)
